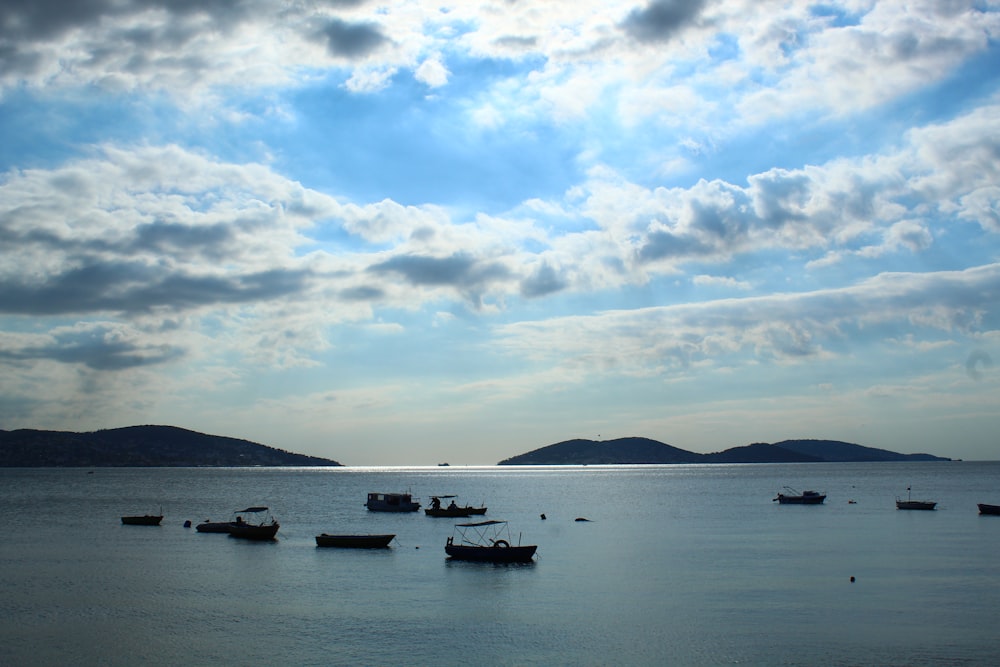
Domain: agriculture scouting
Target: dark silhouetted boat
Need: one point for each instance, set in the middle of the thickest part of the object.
(489, 542)
(392, 502)
(452, 510)
(793, 497)
(254, 523)
(354, 541)
(910, 504)
(144, 520)
(207, 526)
(989, 509)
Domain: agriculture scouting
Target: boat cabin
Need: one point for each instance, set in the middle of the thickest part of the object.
(392, 502)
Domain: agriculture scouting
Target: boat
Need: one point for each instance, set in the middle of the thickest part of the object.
(207, 526)
(452, 510)
(793, 497)
(354, 541)
(910, 504)
(144, 520)
(989, 509)
(488, 542)
(254, 523)
(392, 502)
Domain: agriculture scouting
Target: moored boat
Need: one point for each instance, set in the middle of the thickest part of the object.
(989, 509)
(392, 502)
(207, 526)
(452, 510)
(354, 541)
(793, 497)
(489, 542)
(254, 523)
(910, 504)
(144, 520)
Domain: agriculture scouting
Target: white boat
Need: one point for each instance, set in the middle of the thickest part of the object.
(392, 502)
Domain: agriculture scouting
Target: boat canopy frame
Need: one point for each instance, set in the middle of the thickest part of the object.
(488, 533)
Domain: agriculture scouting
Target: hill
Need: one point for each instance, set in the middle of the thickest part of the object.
(152, 446)
(593, 452)
(646, 451)
(833, 450)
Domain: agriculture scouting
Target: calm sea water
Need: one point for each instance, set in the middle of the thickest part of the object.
(678, 565)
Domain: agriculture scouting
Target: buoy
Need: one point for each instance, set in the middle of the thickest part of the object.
(852, 579)
(580, 518)
(187, 524)
(543, 517)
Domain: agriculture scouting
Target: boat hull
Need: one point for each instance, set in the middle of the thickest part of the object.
(989, 509)
(214, 527)
(146, 520)
(519, 554)
(800, 500)
(915, 505)
(251, 532)
(459, 512)
(354, 541)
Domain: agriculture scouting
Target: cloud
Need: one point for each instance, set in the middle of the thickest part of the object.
(778, 328)
(98, 346)
(462, 273)
(660, 20)
(978, 361)
(544, 281)
(133, 287)
(350, 40)
(432, 72)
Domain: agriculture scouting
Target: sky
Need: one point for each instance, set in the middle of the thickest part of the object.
(409, 232)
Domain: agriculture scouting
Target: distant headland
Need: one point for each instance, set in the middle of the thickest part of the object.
(171, 446)
(138, 446)
(646, 451)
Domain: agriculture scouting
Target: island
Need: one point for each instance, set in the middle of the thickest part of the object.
(636, 450)
(138, 446)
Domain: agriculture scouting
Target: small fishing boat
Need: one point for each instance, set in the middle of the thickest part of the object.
(793, 497)
(489, 542)
(452, 510)
(910, 504)
(354, 541)
(989, 509)
(392, 502)
(254, 523)
(144, 520)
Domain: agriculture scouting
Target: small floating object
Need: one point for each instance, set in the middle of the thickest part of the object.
(187, 524)
(852, 502)
(580, 518)
(543, 517)
(852, 578)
